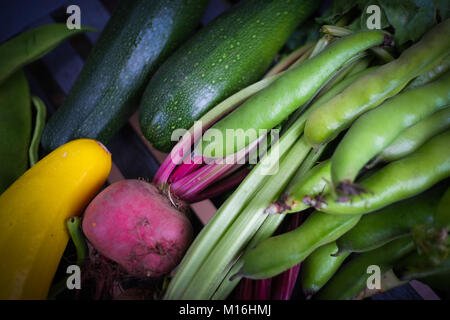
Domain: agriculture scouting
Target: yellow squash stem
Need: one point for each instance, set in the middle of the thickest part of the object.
(33, 212)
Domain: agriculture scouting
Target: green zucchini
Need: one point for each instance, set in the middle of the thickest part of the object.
(230, 53)
(138, 37)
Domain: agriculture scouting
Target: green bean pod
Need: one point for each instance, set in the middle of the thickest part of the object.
(415, 136)
(39, 124)
(319, 267)
(302, 194)
(398, 180)
(341, 85)
(15, 128)
(352, 278)
(376, 129)
(279, 253)
(430, 75)
(32, 45)
(327, 121)
(271, 106)
(314, 182)
(387, 224)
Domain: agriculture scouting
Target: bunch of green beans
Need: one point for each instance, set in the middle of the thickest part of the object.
(315, 100)
(364, 205)
(338, 114)
(205, 270)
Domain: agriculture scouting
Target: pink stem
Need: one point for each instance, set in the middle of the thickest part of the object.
(219, 188)
(245, 291)
(262, 289)
(192, 136)
(178, 153)
(284, 283)
(183, 170)
(200, 179)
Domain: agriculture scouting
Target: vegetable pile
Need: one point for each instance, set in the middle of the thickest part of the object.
(341, 105)
(327, 139)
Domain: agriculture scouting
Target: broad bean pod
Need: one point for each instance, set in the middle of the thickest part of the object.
(415, 136)
(417, 266)
(319, 267)
(314, 183)
(376, 129)
(430, 75)
(271, 106)
(279, 253)
(351, 279)
(398, 180)
(378, 228)
(326, 122)
(292, 200)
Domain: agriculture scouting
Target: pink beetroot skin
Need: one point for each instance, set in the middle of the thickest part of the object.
(133, 224)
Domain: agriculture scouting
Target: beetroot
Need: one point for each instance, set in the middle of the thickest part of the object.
(132, 223)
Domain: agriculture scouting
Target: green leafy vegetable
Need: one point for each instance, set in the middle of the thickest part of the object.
(15, 128)
(409, 19)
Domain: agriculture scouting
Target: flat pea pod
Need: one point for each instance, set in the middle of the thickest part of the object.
(327, 121)
(32, 45)
(15, 128)
(442, 216)
(270, 107)
(41, 112)
(430, 75)
(314, 182)
(279, 253)
(352, 278)
(378, 228)
(341, 85)
(319, 267)
(376, 129)
(415, 136)
(398, 180)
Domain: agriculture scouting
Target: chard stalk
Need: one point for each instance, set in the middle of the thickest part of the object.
(230, 210)
(219, 188)
(207, 279)
(271, 223)
(182, 148)
(213, 233)
(197, 181)
(180, 151)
